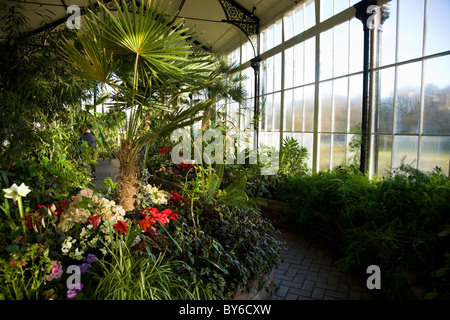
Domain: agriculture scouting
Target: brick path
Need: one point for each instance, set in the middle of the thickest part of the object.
(308, 272)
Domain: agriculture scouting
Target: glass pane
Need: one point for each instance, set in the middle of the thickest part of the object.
(289, 66)
(340, 92)
(325, 151)
(277, 111)
(309, 107)
(268, 106)
(339, 146)
(388, 36)
(235, 56)
(277, 72)
(249, 82)
(325, 90)
(405, 149)
(355, 97)
(341, 5)
(408, 98)
(261, 138)
(435, 152)
(383, 149)
(308, 144)
(268, 139)
(278, 33)
(298, 109)
(326, 9)
(245, 56)
(436, 118)
(326, 54)
(269, 38)
(310, 14)
(288, 26)
(263, 78)
(438, 24)
(272, 139)
(385, 111)
(276, 140)
(298, 64)
(297, 136)
(288, 116)
(310, 60)
(356, 46)
(299, 23)
(341, 50)
(267, 76)
(410, 29)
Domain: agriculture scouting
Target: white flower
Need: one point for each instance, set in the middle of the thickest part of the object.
(23, 190)
(12, 192)
(15, 191)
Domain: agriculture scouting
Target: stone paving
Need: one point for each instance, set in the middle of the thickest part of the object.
(308, 272)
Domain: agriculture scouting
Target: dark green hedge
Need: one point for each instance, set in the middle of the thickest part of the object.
(400, 223)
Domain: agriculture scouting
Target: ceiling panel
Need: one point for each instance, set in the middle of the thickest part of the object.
(205, 15)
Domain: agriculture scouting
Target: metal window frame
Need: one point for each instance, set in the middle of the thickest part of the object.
(315, 32)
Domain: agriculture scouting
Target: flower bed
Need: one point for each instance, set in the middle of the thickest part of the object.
(73, 249)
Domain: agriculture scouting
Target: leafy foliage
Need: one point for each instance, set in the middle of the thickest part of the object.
(292, 159)
(400, 221)
(36, 87)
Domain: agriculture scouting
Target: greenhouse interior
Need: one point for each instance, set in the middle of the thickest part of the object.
(225, 150)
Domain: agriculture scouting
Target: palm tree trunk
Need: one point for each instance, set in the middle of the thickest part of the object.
(128, 177)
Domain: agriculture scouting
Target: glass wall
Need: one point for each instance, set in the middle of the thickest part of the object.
(412, 114)
(311, 83)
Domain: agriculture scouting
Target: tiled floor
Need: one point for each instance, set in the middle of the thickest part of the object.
(308, 272)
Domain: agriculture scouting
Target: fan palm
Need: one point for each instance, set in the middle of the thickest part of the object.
(148, 59)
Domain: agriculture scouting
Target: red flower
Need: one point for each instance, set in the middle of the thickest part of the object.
(144, 224)
(61, 207)
(176, 197)
(161, 217)
(121, 227)
(151, 216)
(164, 150)
(94, 220)
(186, 166)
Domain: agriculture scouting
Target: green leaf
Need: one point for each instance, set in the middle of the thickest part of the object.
(14, 247)
(431, 295)
(438, 273)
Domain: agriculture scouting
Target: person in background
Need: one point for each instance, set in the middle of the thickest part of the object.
(90, 139)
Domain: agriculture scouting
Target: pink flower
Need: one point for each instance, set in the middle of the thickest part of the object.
(56, 271)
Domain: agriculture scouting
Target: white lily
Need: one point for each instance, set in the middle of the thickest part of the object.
(15, 191)
(23, 190)
(12, 192)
